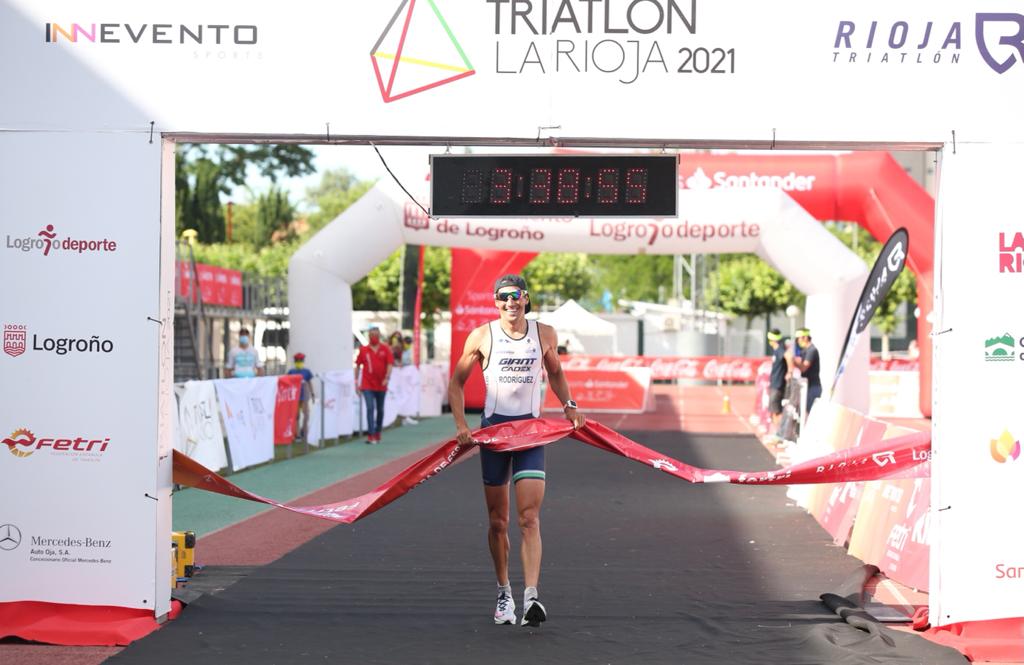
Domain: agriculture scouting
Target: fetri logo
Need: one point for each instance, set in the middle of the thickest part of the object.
(1011, 252)
(417, 51)
(48, 242)
(1005, 448)
(23, 443)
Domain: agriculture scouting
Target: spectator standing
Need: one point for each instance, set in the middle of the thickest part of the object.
(243, 360)
(407, 352)
(374, 364)
(809, 364)
(397, 348)
(777, 384)
(305, 395)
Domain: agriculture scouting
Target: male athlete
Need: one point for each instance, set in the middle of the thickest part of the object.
(511, 351)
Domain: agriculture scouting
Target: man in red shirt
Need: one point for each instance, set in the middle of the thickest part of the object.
(374, 365)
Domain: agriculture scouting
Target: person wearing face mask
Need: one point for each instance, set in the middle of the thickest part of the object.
(243, 361)
(809, 364)
(374, 365)
(305, 395)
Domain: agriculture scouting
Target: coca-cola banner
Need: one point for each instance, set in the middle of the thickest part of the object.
(887, 459)
(709, 368)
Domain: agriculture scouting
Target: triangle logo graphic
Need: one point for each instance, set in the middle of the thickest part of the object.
(416, 52)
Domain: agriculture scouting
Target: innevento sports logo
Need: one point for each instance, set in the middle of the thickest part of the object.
(417, 53)
(50, 243)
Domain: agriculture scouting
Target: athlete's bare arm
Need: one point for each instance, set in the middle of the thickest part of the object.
(474, 353)
(556, 377)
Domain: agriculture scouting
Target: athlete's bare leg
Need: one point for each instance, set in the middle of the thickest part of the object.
(529, 497)
(497, 533)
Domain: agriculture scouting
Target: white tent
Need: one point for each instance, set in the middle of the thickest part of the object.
(593, 333)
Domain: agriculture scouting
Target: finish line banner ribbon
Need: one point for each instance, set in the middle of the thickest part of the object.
(902, 457)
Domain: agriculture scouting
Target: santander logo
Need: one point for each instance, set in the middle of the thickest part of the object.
(791, 182)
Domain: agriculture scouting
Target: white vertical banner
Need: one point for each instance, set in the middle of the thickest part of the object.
(407, 379)
(247, 406)
(199, 432)
(433, 384)
(81, 319)
(977, 556)
(336, 415)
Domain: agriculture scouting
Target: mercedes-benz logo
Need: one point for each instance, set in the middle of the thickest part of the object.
(10, 537)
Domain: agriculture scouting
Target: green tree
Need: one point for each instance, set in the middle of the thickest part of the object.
(379, 289)
(748, 287)
(338, 189)
(203, 172)
(556, 277)
(635, 277)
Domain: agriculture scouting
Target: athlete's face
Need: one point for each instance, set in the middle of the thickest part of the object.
(512, 303)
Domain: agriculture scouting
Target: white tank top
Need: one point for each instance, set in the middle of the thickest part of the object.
(512, 373)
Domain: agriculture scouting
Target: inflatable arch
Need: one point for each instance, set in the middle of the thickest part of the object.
(763, 221)
(870, 188)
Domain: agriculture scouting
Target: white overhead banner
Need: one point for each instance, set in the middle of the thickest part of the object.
(721, 69)
(247, 406)
(977, 558)
(200, 433)
(80, 314)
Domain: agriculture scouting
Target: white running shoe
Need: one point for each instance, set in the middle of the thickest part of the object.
(534, 613)
(505, 612)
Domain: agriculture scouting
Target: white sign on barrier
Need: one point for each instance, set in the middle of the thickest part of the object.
(977, 558)
(433, 386)
(247, 406)
(199, 432)
(336, 416)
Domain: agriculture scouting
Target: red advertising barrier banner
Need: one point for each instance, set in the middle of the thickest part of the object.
(707, 368)
(887, 459)
(218, 286)
(606, 391)
(286, 410)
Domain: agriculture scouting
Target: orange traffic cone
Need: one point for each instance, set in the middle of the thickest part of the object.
(726, 405)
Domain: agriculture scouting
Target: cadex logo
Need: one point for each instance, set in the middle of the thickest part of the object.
(24, 443)
(49, 243)
(1005, 448)
(417, 51)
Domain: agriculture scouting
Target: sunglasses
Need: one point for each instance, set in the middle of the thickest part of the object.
(514, 295)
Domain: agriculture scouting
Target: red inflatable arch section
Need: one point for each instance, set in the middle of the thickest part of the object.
(870, 188)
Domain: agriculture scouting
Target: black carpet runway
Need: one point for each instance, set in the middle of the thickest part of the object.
(638, 568)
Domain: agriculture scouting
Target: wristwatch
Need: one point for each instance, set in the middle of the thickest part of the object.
(571, 404)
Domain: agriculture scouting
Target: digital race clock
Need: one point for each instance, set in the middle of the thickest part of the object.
(553, 185)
